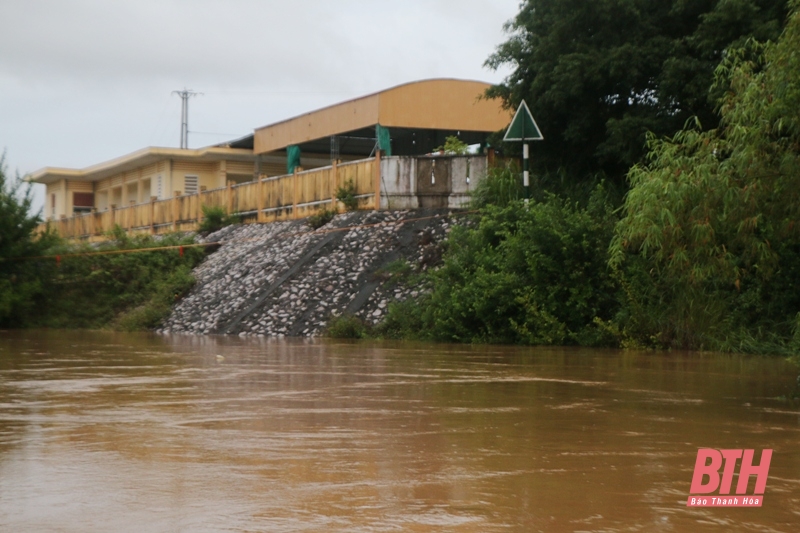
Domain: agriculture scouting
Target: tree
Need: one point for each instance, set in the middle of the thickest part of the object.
(710, 241)
(599, 74)
(19, 282)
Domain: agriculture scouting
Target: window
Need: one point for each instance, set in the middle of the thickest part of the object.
(82, 202)
(53, 205)
(159, 188)
(190, 184)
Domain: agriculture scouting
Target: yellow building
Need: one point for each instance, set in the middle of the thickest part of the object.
(136, 178)
(291, 168)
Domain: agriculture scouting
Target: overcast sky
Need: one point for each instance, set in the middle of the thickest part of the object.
(84, 81)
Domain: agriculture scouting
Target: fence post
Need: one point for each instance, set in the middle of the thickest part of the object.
(260, 199)
(229, 197)
(334, 183)
(92, 221)
(175, 213)
(200, 192)
(153, 215)
(113, 216)
(377, 179)
(294, 193)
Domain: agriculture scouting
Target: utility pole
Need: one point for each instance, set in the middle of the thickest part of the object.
(185, 94)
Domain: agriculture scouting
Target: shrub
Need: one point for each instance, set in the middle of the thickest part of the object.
(131, 290)
(534, 274)
(394, 272)
(320, 218)
(347, 195)
(163, 294)
(501, 186)
(216, 218)
(347, 327)
(453, 146)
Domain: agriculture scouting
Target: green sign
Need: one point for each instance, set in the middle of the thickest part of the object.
(523, 127)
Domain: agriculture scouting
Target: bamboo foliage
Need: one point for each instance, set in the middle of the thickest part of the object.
(709, 239)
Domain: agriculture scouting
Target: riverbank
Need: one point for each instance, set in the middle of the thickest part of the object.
(285, 279)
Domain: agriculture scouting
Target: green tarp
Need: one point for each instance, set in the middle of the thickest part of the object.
(384, 140)
(292, 158)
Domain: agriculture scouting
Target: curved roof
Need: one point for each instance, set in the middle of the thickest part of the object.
(436, 104)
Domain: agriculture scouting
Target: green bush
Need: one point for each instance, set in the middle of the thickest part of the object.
(453, 146)
(501, 186)
(162, 295)
(320, 218)
(347, 327)
(347, 195)
(95, 287)
(529, 275)
(216, 218)
(404, 321)
(394, 272)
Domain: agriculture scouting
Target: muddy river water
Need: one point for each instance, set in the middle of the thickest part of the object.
(133, 432)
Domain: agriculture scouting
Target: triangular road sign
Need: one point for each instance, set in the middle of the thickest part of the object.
(523, 127)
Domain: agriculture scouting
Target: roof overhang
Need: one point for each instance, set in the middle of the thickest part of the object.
(139, 159)
(432, 105)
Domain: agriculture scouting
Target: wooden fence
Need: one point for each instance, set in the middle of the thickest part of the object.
(264, 200)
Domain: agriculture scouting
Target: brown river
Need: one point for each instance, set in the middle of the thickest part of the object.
(103, 432)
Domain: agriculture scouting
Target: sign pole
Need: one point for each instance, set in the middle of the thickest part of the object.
(525, 175)
(523, 128)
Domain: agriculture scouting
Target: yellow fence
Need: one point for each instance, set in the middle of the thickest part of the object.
(268, 199)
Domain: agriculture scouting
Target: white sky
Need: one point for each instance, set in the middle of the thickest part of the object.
(84, 81)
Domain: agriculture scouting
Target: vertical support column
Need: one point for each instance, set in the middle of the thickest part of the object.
(200, 191)
(65, 192)
(260, 199)
(175, 210)
(222, 173)
(525, 175)
(92, 221)
(113, 215)
(153, 215)
(294, 193)
(334, 183)
(377, 179)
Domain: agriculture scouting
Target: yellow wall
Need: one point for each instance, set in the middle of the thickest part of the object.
(207, 173)
(340, 118)
(444, 105)
(118, 189)
(139, 184)
(55, 190)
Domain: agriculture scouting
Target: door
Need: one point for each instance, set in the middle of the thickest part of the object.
(433, 181)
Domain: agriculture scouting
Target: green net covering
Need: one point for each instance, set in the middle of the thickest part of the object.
(384, 140)
(292, 158)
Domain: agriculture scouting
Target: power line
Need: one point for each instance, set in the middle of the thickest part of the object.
(218, 133)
